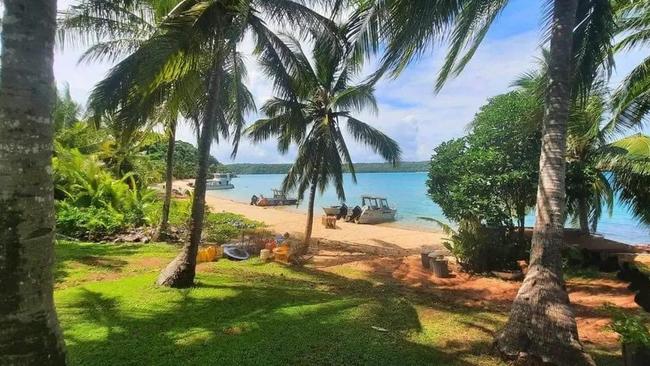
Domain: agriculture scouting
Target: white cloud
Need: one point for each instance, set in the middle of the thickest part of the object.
(409, 111)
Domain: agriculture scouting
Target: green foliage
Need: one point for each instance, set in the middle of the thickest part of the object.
(87, 222)
(479, 249)
(66, 111)
(491, 174)
(632, 329)
(91, 202)
(179, 212)
(223, 226)
(219, 227)
(186, 158)
(311, 107)
(83, 137)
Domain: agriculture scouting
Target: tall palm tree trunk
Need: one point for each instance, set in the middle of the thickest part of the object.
(310, 213)
(181, 271)
(169, 178)
(29, 329)
(583, 215)
(541, 323)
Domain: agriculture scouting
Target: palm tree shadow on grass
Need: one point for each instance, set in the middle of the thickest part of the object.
(274, 321)
(97, 257)
(454, 300)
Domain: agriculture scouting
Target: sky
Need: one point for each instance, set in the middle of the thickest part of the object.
(409, 110)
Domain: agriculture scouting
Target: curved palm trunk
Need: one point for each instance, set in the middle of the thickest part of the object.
(181, 271)
(541, 323)
(29, 329)
(169, 178)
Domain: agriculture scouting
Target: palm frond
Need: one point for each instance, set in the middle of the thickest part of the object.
(377, 140)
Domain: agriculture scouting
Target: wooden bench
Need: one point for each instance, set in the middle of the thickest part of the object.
(328, 221)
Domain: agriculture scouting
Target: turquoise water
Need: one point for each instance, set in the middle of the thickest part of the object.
(407, 193)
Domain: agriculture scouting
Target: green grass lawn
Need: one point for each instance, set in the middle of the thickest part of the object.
(252, 313)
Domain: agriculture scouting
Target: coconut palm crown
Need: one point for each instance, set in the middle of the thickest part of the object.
(313, 105)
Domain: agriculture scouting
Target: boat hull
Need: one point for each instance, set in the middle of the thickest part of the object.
(274, 202)
(332, 210)
(217, 187)
(376, 216)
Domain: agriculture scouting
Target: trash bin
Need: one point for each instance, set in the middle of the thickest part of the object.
(425, 260)
(439, 266)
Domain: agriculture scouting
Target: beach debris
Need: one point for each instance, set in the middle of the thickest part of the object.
(235, 252)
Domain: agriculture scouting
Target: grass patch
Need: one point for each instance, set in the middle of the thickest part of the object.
(253, 313)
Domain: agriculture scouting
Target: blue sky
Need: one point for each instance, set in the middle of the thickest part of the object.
(409, 111)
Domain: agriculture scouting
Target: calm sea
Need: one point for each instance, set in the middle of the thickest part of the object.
(407, 192)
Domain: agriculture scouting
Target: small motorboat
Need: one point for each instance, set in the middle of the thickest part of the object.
(338, 211)
(279, 199)
(236, 253)
(220, 181)
(332, 210)
(373, 210)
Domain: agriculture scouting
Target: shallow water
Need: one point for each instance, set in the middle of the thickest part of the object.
(407, 193)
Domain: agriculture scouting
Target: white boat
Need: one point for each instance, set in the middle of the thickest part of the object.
(220, 181)
(375, 210)
(332, 210)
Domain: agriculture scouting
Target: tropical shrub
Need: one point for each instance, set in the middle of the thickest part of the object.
(490, 174)
(219, 227)
(90, 201)
(480, 249)
(632, 329)
(87, 222)
(179, 212)
(223, 226)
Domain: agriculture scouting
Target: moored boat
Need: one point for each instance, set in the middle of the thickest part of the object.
(373, 210)
(220, 181)
(279, 199)
(332, 210)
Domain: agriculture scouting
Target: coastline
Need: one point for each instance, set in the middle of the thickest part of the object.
(288, 219)
(395, 235)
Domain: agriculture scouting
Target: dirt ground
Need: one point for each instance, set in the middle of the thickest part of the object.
(587, 295)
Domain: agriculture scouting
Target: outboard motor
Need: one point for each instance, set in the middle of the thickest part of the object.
(356, 213)
(343, 212)
(254, 200)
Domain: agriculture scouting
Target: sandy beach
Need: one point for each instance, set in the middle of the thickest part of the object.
(284, 219)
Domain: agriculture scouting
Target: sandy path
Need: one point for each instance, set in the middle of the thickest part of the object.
(282, 219)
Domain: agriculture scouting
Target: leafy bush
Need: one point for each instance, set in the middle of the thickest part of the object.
(218, 227)
(92, 199)
(480, 249)
(223, 226)
(179, 212)
(87, 222)
(632, 329)
(490, 174)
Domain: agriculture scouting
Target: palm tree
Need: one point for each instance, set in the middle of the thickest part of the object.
(407, 28)
(314, 102)
(201, 37)
(629, 161)
(597, 158)
(66, 110)
(632, 100)
(114, 29)
(30, 331)
(588, 189)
